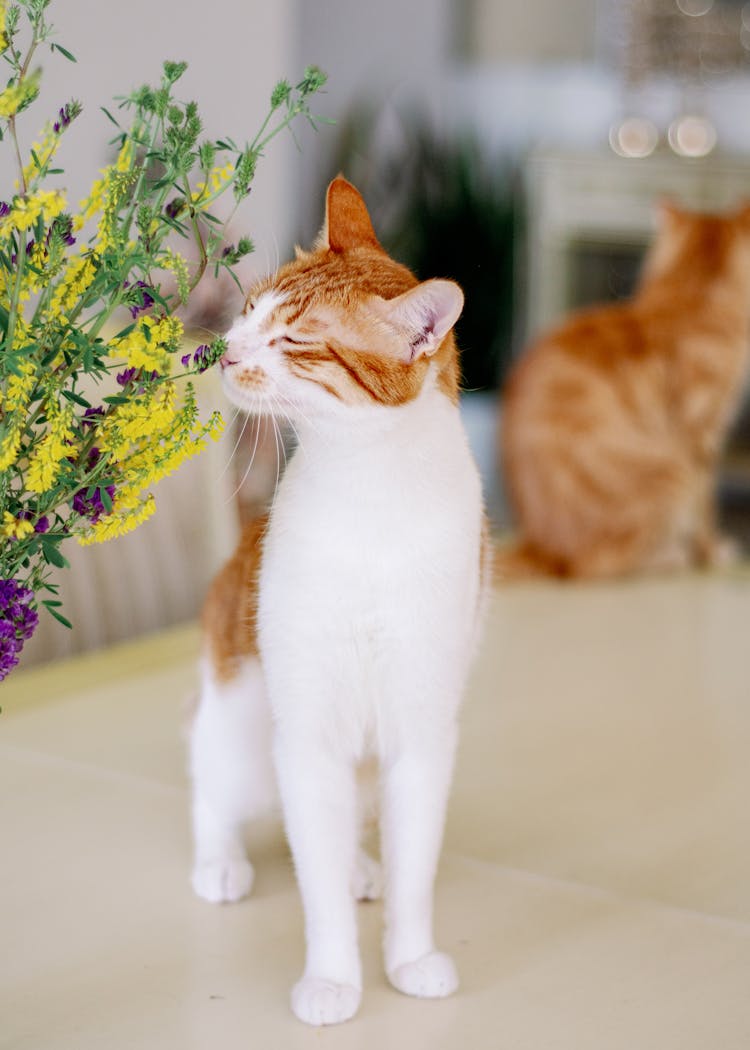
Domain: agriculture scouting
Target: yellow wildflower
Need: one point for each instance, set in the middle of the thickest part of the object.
(15, 528)
(78, 275)
(125, 157)
(92, 204)
(54, 446)
(177, 265)
(216, 180)
(10, 444)
(146, 417)
(152, 461)
(107, 192)
(16, 95)
(17, 393)
(19, 387)
(26, 210)
(118, 522)
(149, 344)
(44, 150)
(3, 35)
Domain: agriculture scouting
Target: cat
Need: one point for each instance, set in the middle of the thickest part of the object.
(341, 632)
(613, 422)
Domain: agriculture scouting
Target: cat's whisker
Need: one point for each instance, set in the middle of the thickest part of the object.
(228, 463)
(278, 401)
(259, 419)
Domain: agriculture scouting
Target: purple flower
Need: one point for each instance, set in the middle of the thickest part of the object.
(91, 416)
(18, 621)
(4, 209)
(65, 119)
(10, 648)
(202, 358)
(42, 525)
(123, 378)
(186, 360)
(91, 507)
(174, 207)
(142, 300)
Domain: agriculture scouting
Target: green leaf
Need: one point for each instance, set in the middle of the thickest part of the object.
(52, 554)
(71, 395)
(64, 51)
(115, 399)
(58, 616)
(106, 113)
(106, 499)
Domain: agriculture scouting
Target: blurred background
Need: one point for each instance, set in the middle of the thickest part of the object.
(517, 146)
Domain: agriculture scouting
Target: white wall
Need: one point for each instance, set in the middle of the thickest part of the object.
(237, 50)
(385, 52)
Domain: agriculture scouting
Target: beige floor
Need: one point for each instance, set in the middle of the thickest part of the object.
(595, 886)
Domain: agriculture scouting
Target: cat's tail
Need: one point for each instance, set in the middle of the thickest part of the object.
(521, 560)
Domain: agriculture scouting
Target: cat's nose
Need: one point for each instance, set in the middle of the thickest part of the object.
(225, 360)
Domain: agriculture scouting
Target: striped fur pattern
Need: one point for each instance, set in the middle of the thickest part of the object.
(613, 423)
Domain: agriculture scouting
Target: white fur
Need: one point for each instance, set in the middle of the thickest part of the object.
(368, 610)
(233, 779)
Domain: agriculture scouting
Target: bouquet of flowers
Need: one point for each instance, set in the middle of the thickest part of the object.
(91, 411)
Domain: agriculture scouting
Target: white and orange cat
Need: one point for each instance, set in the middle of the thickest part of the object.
(340, 635)
(614, 421)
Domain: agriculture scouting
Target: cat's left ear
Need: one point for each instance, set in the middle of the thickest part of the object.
(424, 315)
(347, 222)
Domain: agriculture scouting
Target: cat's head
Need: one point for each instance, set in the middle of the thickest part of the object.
(342, 327)
(700, 247)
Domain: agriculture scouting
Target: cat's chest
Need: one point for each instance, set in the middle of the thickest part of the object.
(380, 527)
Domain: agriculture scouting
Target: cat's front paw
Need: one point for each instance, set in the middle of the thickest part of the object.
(317, 1001)
(223, 882)
(431, 977)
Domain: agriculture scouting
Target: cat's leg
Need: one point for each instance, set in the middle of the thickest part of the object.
(233, 779)
(367, 880)
(416, 778)
(318, 793)
(710, 547)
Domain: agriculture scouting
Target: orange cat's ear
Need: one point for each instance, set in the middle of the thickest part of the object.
(667, 212)
(424, 315)
(348, 222)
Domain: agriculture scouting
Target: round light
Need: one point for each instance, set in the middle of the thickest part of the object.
(692, 136)
(695, 8)
(633, 137)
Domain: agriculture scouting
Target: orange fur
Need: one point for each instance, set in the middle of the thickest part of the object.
(230, 609)
(613, 422)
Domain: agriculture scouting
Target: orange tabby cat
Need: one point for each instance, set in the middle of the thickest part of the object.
(340, 634)
(614, 421)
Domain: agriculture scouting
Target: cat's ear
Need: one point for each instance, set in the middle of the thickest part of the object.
(347, 222)
(667, 212)
(424, 315)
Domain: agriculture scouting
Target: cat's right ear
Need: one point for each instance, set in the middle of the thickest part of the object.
(423, 316)
(347, 222)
